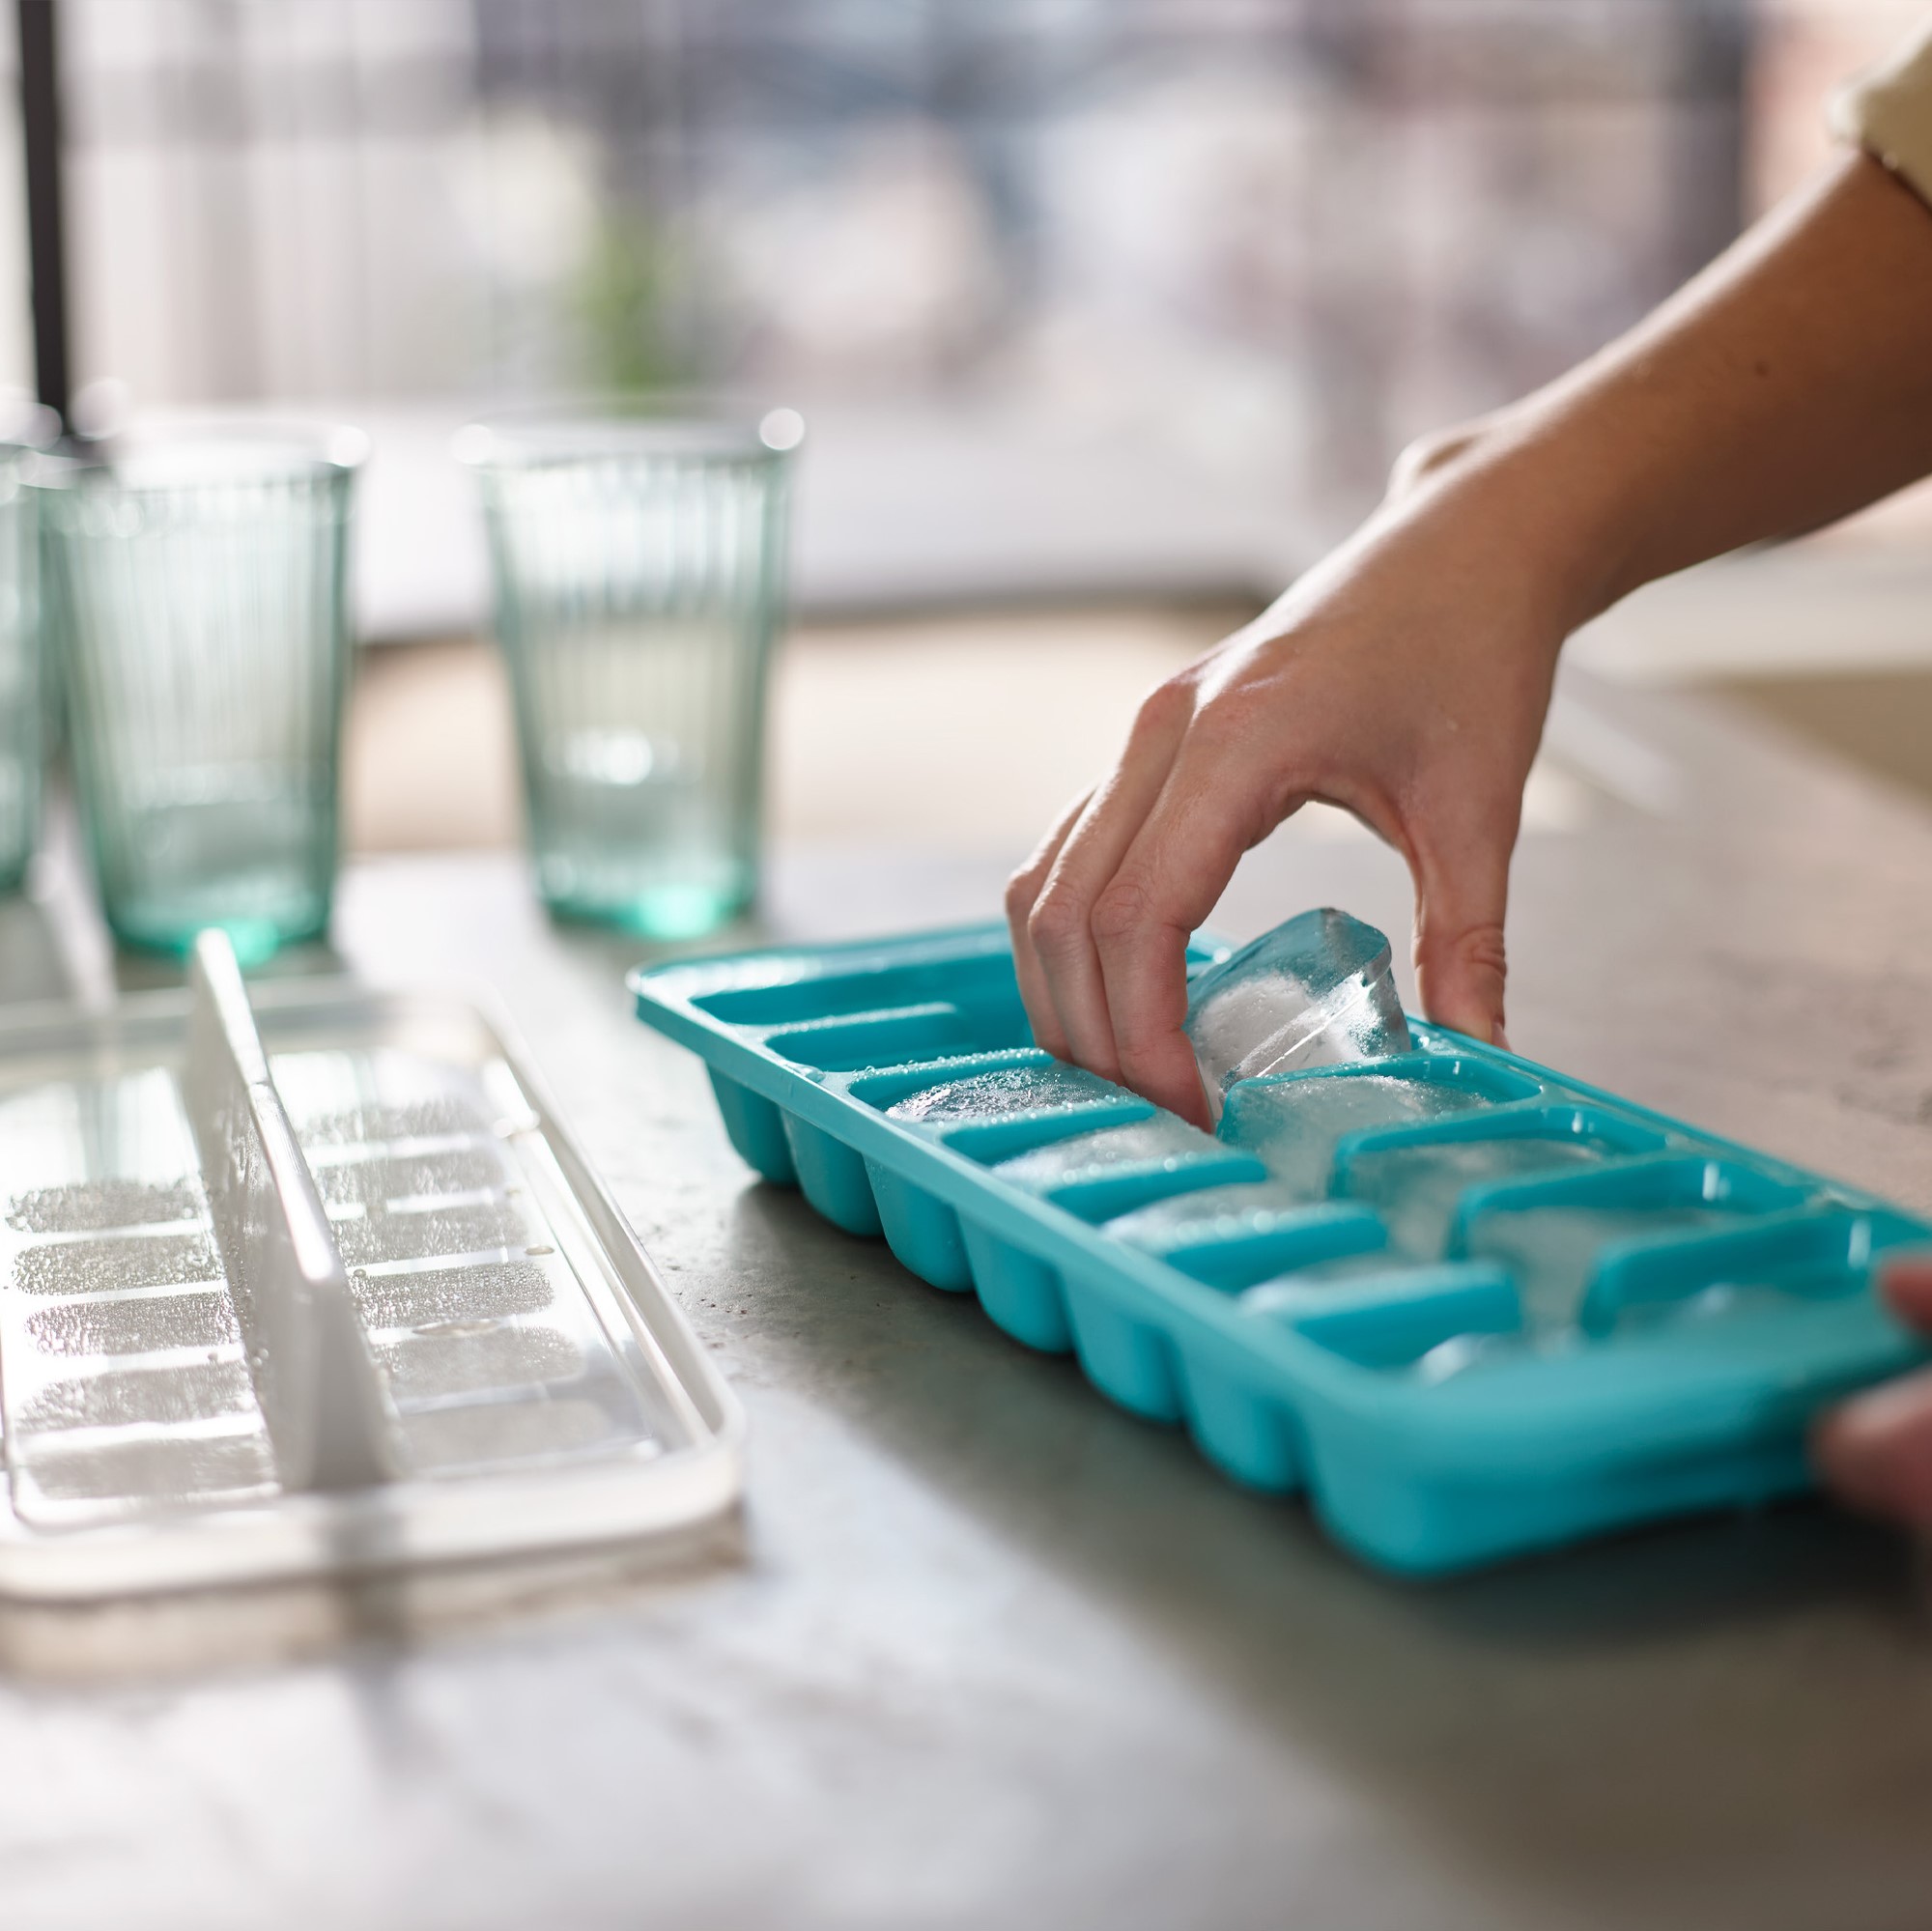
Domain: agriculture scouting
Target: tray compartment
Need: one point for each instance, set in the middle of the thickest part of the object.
(1243, 1428)
(1106, 1195)
(1020, 1292)
(1149, 1140)
(1294, 1122)
(1552, 1231)
(1397, 1318)
(1241, 1250)
(921, 1228)
(832, 1177)
(1018, 1082)
(1805, 1256)
(755, 1128)
(1419, 1176)
(477, 1388)
(996, 1143)
(1126, 1356)
(982, 986)
(113, 1261)
(891, 1036)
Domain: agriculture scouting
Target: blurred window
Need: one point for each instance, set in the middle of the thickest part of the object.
(1071, 291)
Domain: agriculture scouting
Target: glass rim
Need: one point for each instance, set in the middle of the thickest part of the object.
(308, 449)
(579, 428)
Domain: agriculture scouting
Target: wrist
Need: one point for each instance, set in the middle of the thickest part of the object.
(1558, 503)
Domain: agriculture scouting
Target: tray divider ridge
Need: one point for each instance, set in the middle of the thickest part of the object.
(319, 1388)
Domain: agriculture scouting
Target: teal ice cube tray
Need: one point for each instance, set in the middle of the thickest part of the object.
(1473, 1306)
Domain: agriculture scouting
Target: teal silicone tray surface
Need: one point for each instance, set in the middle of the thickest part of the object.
(1471, 1306)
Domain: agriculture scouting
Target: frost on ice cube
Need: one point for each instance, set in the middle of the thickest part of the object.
(1004, 1090)
(1317, 991)
(1160, 1140)
(1295, 1129)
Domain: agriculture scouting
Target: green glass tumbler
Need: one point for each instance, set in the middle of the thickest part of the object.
(23, 706)
(639, 563)
(197, 586)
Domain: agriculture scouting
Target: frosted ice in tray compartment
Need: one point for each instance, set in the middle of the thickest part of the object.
(466, 1356)
(1290, 1291)
(1549, 1249)
(132, 1396)
(1182, 1216)
(426, 1296)
(56, 1480)
(343, 1098)
(1316, 991)
(1160, 1138)
(597, 1416)
(1002, 1091)
(431, 1232)
(131, 1323)
(116, 1262)
(99, 1206)
(1293, 1127)
(376, 1182)
(1415, 1188)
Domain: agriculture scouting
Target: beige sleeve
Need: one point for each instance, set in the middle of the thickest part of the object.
(1887, 112)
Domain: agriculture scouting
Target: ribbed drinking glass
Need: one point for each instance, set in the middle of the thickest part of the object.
(23, 710)
(638, 569)
(199, 597)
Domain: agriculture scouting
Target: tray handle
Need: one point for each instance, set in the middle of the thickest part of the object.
(320, 1392)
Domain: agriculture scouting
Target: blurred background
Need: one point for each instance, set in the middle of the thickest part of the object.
(1105, 317)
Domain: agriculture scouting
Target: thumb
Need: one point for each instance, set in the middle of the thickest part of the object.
(1906, 1279)
(1461, 892)
(1876, 1450)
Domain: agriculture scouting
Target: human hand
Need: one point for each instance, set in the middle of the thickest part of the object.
(1876, 1450)
(1405, 679)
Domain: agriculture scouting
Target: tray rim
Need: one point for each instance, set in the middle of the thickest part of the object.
(1691, 1406)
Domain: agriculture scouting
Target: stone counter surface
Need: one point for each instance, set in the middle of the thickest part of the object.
(984, 1651)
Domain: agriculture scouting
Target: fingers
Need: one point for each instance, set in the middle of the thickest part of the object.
(1168, 882)
(1460, 865)
(1059, 926)
(1876, 1452)
(1907, 1285)
(1023, 890)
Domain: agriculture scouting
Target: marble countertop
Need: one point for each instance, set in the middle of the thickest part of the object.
(984, 1651)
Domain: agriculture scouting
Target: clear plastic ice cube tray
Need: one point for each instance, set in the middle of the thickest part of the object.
(1473, 1306)
(313, 1285)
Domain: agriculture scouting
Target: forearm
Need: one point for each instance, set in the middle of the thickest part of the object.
(1787, 386)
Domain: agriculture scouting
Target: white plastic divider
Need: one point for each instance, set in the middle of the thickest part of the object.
(318, 1385)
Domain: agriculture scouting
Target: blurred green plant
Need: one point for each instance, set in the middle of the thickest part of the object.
(625, 296)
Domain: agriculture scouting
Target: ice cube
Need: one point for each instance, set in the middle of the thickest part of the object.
(1289, 1293)
(1317, 991)
(1550, 1250)
(1208, 1213)
(1005, 1090)
(1162, 1137)
(1416, 1188)
(1294, 1127)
